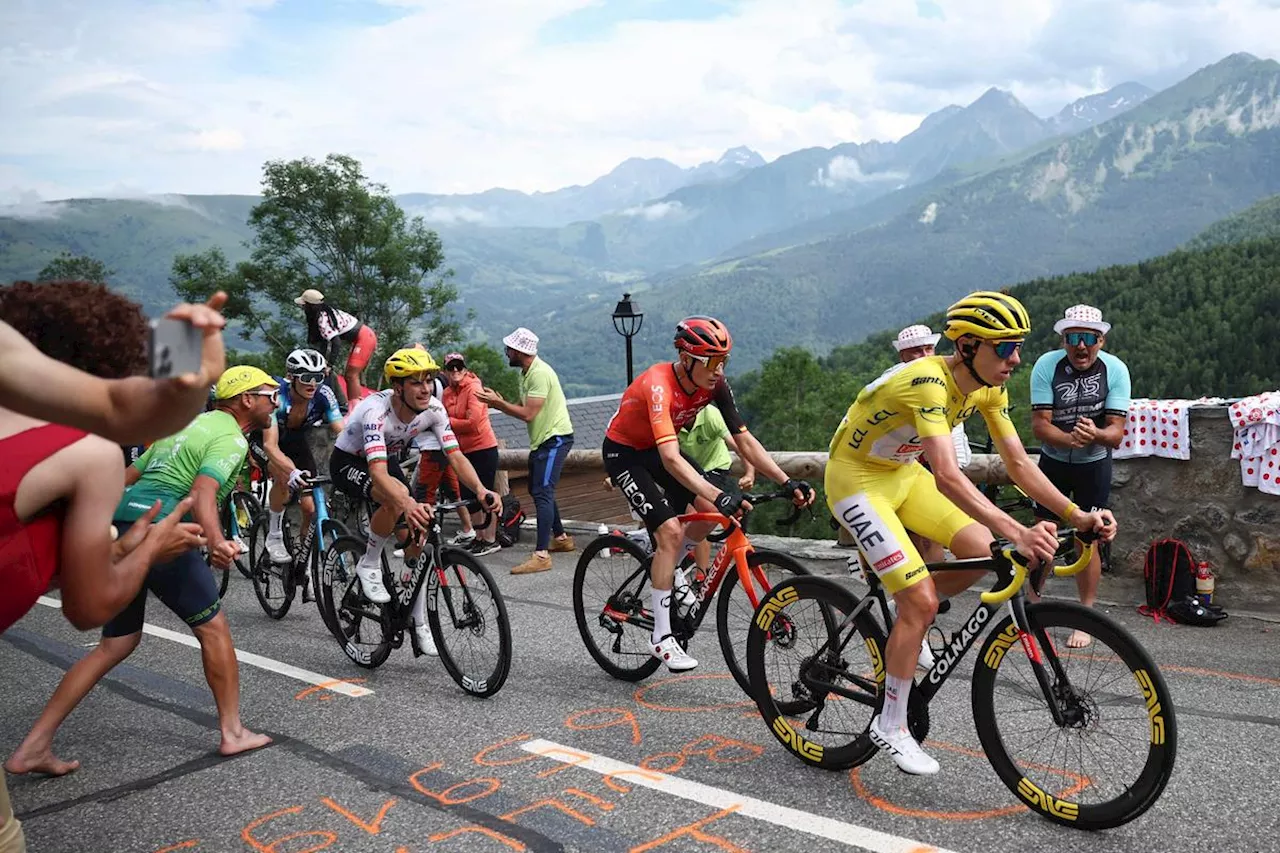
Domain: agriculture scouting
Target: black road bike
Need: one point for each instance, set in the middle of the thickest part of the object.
(1085, 737)
(276, 584)
(465, 610)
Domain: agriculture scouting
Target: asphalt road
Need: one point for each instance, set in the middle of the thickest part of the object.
(416, 765)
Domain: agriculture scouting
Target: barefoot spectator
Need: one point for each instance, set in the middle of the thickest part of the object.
(1079, 404)
(469, 417)
(203, 460)
(542, 406)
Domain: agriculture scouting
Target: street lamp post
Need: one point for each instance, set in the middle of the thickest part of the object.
(627, 320)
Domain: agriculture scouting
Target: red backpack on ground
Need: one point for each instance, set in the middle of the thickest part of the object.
(1169, 577)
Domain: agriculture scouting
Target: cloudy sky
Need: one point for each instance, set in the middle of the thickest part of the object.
(119, 97)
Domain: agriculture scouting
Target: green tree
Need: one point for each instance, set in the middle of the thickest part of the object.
(324, 225)
(69, 267)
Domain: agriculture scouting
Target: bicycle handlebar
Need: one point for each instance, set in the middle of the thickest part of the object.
(756, 500)
(1000, 595)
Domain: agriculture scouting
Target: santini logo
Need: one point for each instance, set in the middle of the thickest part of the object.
(927, 380)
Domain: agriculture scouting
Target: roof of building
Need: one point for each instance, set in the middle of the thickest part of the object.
(590, 417)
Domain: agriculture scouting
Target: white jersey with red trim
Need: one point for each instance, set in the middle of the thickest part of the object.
(374, 431)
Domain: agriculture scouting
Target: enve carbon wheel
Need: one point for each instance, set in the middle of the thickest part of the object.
(1111, 756)
(468, 618)
(611, 604)
(816, 689)
(734, 609)
(357, 624)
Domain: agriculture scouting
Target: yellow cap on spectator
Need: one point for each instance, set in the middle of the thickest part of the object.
(241, 378)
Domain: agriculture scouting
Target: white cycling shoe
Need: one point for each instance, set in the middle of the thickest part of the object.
(425, 641)
(276, 550)
(371, 583)
(903, 749)
(669, 652)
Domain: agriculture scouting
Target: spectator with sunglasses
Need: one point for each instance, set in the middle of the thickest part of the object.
(1079, 404)
(305, 403)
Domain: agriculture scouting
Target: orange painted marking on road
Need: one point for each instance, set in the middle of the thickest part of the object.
(675, 766)
(373, 827)
(550, 802)
(183, 845)
(575, 757)
(447, 796)
(603, 805)
(694, 830)
(483, 830)
(622, 789)
(328, 685)
(246, 834)
(1186, 670)
(482, 759)
(641, 692)
(626, 718)
(859, 788)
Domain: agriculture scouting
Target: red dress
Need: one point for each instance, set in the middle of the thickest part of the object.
(30, 550)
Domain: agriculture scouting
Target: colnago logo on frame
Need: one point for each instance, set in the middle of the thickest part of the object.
(959, 642)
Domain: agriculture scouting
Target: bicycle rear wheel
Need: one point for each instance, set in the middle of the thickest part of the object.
(611, 598)
(1110, 758)
(469, 623)
(734, 609)
(273, 583)
(809, 662)
(361, 627)
(246, 511)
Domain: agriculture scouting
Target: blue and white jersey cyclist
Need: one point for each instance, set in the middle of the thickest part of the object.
(305, 402)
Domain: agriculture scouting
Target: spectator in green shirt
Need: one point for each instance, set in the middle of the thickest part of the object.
(707, 441)
(542, 406)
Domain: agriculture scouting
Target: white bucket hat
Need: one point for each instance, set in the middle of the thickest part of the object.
(1082, 317)
(916, 336)
(522, 340)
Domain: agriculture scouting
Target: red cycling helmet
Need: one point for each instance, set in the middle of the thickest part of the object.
(703, 336)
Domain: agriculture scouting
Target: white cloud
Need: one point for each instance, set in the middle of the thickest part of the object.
(449, 214)
(656, 211)
(843, 170)
(463, 95)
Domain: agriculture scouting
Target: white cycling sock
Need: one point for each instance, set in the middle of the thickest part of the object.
(420, 606)
(273, 522)
(373, 551)
(896, 692)
(661, 599)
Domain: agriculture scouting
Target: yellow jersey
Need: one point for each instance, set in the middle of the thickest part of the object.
(909, 402)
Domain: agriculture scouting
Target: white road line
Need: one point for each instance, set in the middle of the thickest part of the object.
(335, 685)
(823, 827)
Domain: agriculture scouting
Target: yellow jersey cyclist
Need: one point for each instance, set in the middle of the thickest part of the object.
(877, 488)
(364, 466)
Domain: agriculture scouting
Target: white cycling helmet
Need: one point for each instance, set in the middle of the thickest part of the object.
(305, 361)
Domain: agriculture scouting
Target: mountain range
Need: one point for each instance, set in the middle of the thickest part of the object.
(818, 247)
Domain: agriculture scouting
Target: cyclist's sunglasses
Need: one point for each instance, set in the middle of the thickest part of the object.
(1006, 349)
(710, 362)
(307, 378)
(1074, 339)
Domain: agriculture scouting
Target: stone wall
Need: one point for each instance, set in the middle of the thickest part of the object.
(1202, 502)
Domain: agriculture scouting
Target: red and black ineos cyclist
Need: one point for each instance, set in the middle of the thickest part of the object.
(643, 459)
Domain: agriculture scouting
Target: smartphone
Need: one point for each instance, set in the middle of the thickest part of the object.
(174, 348)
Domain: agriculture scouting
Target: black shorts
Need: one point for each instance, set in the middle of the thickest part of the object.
(350, 474)
(646, 484)
(486, 464)
(184, 584)
(293, 443)
(1087, 484)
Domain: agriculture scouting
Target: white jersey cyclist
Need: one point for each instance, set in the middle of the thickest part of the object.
(374, 432)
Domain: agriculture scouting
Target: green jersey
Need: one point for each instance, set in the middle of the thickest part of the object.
(212, 444)
(553, 418)
(703, 440)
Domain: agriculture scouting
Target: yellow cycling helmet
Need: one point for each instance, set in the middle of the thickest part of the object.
(241, 378)
(409, 362)
(987, 315)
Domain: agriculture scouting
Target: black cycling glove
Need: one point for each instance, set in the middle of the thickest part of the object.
(800, 486)
(729, 504)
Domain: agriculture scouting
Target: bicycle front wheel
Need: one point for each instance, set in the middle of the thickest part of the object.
(816, 675)
(1108, 755)
(468, 618)
(611, 604)
(734, 609)
(360, 626)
